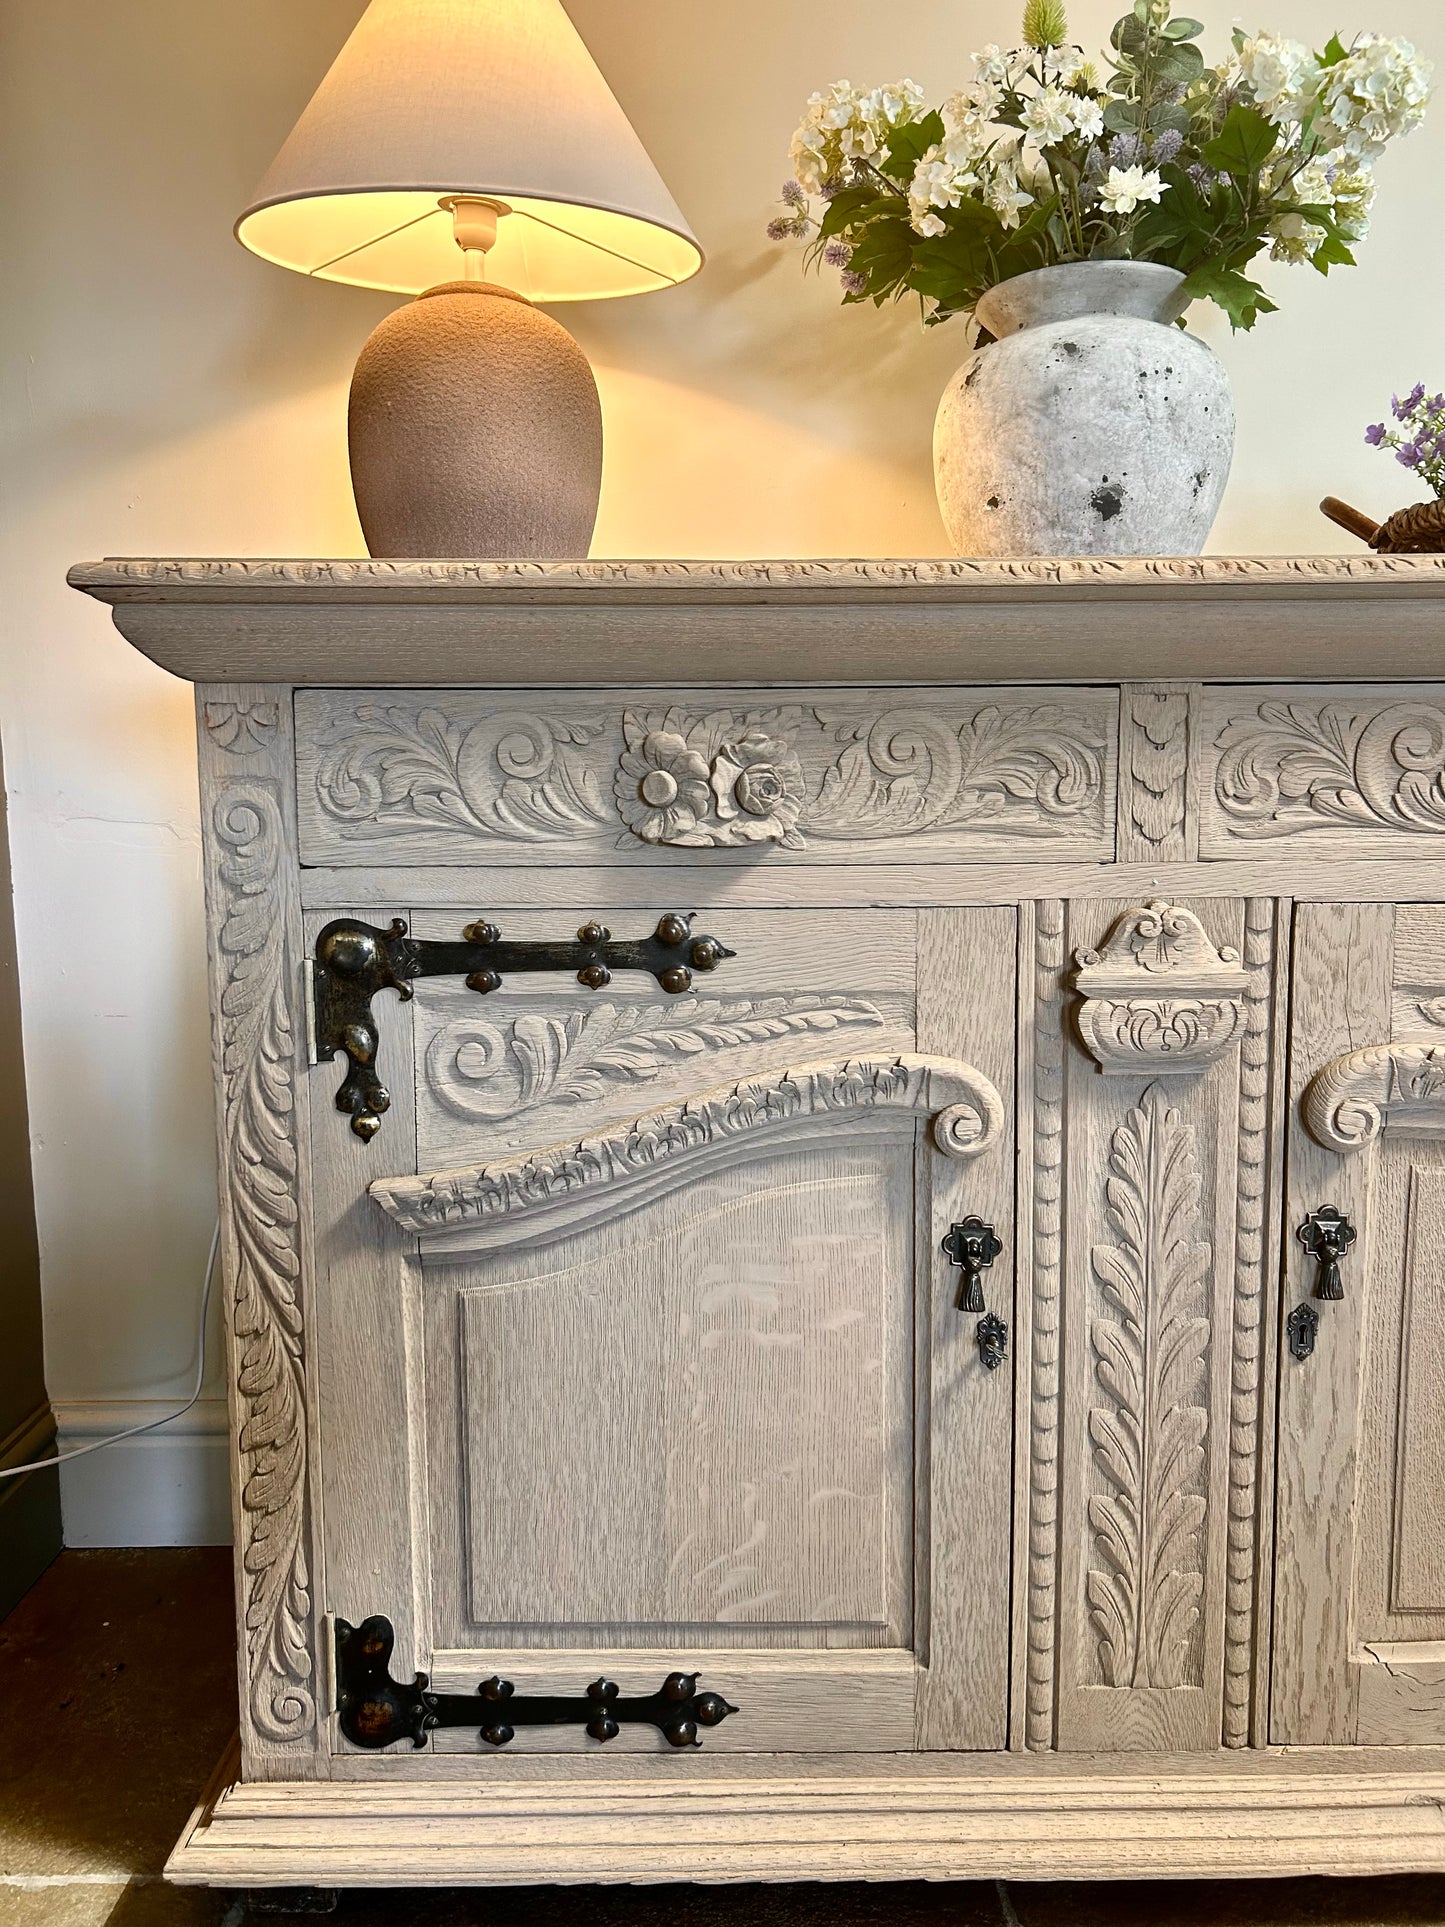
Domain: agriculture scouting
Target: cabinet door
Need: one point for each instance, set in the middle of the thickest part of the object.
(1359, 1625)
(640, 1351)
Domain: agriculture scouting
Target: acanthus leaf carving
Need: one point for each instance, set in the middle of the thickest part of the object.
(1153, 799)
(1158, 997)
(769, 1109)
(511, 776)
(1385, 1087)
(1149, 1336)
(242, 726)
(494, 1070)
(1290, 767)
(264, 1258)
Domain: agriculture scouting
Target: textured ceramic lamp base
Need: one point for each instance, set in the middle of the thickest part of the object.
(475, 430)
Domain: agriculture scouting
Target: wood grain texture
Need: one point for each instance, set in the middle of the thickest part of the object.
(1341, 1001)
(964, 1470)
(1419, 1510)
(1094, 1822)
(253, 923)
(659, 886)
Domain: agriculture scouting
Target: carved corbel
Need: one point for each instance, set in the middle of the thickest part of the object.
(1158, 997)
(1387, 1087)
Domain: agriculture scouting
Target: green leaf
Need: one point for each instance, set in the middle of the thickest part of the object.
(1243, 144)
(1243, 300)
(1183, 29)
(1129, 37)
(1179, 66)
(1121, 117)
(1332, 253)
(908, 144)
(1335, 52)
(843, 209)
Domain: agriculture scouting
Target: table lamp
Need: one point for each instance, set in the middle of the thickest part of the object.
(469, 152)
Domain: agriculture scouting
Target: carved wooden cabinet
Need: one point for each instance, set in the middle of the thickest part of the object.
(834, 1214)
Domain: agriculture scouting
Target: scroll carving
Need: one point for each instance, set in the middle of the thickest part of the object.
(495, 1070)
(264, 1259)
(727, 778)
(1387, 1087)
(1159, 998)
(1148, 1334)
(1290, 767)
(643, 1154)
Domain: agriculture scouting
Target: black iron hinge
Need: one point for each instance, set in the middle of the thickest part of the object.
(356, 960)
(374, 1709)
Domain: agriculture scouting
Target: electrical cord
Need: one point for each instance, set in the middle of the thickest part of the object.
(151, 1425)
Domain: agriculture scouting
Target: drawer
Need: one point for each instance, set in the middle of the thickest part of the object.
(1355, 771)
(467, 776)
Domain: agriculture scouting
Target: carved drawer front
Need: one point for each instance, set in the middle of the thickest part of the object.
(1351, 772)
(467, 776)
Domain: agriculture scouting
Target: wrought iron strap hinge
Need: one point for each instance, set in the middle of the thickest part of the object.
(374, 1709)
(356, 960)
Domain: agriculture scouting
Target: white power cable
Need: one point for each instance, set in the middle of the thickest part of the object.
(152, 1425)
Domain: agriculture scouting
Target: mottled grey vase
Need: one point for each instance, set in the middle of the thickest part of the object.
(1091, 426)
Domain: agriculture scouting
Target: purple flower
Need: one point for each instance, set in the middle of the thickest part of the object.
(1409, 456)
(780, 229)
(837, 254)
(793, 195)
(1204, 181)
(1375, 434)
(1167, 147)
(1403, 409)
(1094, 162)
(1125, 150)
(833, 186)
(854, 283)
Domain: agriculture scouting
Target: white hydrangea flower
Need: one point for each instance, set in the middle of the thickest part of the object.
(1004, 194)
(944, 174)
(1293, 239)
(994, 64)
(1127, 188)
(973, 108)
(840, 126)
(1049, 117)
(1088, 117)
(1283, 75)
(1354, 190)
(1374, 95)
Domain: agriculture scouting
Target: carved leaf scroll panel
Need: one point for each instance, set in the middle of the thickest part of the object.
(442, 775)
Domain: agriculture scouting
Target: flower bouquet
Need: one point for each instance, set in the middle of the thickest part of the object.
(1070, 208)
(1416, 432)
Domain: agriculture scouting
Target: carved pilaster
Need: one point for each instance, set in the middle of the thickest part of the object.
(1252, 1173)
(1048, 1145)
(1157, 822)
(245, 759)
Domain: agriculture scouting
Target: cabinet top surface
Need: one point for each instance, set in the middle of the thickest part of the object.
(295, 620)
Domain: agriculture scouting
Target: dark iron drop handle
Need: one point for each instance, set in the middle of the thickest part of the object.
(355, 960)
(973, 1245)
(1327, 1236)
(374, 1709)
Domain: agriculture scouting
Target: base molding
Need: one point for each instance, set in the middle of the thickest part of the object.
(1078, 1818)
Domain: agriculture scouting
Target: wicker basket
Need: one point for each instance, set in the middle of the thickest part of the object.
(1414, 531)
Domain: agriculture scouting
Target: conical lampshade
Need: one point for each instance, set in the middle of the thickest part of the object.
(479, 97)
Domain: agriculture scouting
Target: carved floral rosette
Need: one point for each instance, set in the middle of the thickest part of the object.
(1158, 997)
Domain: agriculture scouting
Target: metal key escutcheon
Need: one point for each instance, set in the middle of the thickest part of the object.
(973, 1246)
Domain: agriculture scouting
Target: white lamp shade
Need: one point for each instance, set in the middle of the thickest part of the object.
(483, 97)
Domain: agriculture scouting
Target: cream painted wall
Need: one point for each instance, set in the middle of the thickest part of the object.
(162, 392)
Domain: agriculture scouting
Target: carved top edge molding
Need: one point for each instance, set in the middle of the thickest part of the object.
(967, 1112)
(1387, 1087)
(301, 579)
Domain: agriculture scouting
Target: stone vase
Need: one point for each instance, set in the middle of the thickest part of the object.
(1091, 425)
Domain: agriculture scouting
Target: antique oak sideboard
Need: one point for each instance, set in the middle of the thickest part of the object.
(834, 1213)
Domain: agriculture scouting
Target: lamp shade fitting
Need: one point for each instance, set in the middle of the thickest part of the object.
(475, 427)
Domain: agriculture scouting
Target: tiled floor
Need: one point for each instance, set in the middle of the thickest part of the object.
(116, 1698)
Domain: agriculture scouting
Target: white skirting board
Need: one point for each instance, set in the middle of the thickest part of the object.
(167, 1488)
(992, 1816)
